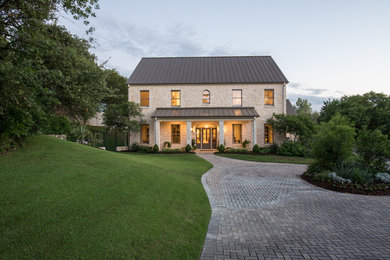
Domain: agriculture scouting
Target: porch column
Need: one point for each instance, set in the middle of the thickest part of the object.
(254, 133)
(189, 133)
(157, 132)
(221, 133)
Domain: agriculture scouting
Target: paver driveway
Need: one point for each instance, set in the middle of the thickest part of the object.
(264, 210)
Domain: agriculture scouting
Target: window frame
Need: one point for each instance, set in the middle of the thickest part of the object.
(140, 98)
(273, 97)
(172, 137)
(233, 134)
(203, 98)
(233, 98)
(172, 98)
(148, 134)
(272, 133)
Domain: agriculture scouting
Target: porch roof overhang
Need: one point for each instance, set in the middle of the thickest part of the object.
(205, 112)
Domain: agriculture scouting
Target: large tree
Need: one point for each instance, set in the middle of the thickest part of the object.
(371, 111)
(44, 69)
(117, 88)
(303, 106)
(124, 117)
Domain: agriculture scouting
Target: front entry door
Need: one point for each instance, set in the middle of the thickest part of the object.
(206, 141)
(206, 138)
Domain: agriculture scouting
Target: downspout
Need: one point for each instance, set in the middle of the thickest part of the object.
(284, 97)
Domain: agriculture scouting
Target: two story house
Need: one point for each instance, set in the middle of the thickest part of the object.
(211, 100)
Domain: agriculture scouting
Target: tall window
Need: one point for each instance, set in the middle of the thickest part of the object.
(237, 134)
(268, 134)
(145, 134)
(206, 97)
(175, 134)
(237, 97)
(144, 98)
(269, 97)
(175, 98)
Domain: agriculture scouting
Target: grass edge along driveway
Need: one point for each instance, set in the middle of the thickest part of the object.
(64, 200)
(267, 158)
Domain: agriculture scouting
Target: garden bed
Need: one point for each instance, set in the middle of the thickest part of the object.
(378, 189)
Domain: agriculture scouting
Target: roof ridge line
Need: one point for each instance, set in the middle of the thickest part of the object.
(194, 57)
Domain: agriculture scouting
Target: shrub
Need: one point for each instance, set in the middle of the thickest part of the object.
(167, 144)
(292, 149)
(264, 150)
(334, 177)
(362, 176)
(245, 143)
(334, 141)
(322, 177)
(194, 147)
(373, 149)
(237, 150)
(221, 148)
(188, 148)
(315, 167)
(54, 124)
(273, 148)
(145, 149)
(174, 150)
(134, 147)
(155, 148)
(382, 177)
(350, 169)
(255, 149)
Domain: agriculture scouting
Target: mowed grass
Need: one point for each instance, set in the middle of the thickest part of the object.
(268, 158)
(64, 200)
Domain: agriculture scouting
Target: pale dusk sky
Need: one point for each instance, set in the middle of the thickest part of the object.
(325, 48)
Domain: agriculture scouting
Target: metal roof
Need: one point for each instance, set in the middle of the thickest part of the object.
(203, 70)
(206, 112)
(290, 109)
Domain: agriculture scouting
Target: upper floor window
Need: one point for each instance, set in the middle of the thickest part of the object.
(145, 134)
(237, 97)
(237, 134)
(144, 98)
(268, 134)
(269, 97)
(206, 97)
(175, 98)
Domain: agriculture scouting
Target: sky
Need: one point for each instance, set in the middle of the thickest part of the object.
(326, 49)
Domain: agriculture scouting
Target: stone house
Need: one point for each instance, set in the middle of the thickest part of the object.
(208, 100)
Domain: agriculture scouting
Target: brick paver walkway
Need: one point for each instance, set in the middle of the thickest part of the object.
(265, 211)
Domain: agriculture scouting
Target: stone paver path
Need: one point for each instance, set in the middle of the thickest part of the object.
(266, 211)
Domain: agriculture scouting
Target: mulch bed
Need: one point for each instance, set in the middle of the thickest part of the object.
(347, 188)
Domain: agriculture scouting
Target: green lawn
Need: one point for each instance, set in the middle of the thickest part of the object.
(64, 200)
(268, 158)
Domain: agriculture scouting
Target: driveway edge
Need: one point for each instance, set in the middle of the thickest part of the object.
(210, 243)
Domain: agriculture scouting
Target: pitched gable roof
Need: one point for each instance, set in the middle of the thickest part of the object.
(290, 109)
(203, 70)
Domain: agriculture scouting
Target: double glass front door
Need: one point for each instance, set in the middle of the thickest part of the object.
(206, 138)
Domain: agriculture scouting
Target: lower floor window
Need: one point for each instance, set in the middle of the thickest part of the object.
(268, 134)
(145, 134)
(175, 134)
(237, 134)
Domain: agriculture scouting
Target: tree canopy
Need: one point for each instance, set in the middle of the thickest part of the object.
(303, 106)
(371, 111)
(44, 69)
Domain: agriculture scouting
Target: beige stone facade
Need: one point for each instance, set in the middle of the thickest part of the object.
(220, 96)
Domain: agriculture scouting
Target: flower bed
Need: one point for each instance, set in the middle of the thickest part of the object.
(379, 189)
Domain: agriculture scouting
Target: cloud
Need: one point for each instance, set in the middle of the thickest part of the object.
(316, 101)
(315, 91)
(295, 85)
